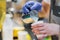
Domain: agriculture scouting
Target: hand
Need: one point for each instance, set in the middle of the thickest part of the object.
(31, 5)
(45, 29)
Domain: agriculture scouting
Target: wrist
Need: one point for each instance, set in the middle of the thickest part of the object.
(55, 29)
(58, 29)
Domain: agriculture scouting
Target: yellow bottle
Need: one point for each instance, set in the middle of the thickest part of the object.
(28, 37)
(2, 12)
(16, 30)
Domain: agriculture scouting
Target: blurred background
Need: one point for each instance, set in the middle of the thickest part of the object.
(11, 8)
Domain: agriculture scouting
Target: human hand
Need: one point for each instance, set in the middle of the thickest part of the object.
(31, 5)
(45, 29)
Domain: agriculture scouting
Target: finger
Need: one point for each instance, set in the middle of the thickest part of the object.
(40, 23)
(25, 10)
(36, 23)
(39, 32)
(36, 26)
(42, 36)
(40, 39)
(43, 32)
(36, 33)
(39, 28)
(33, 7)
